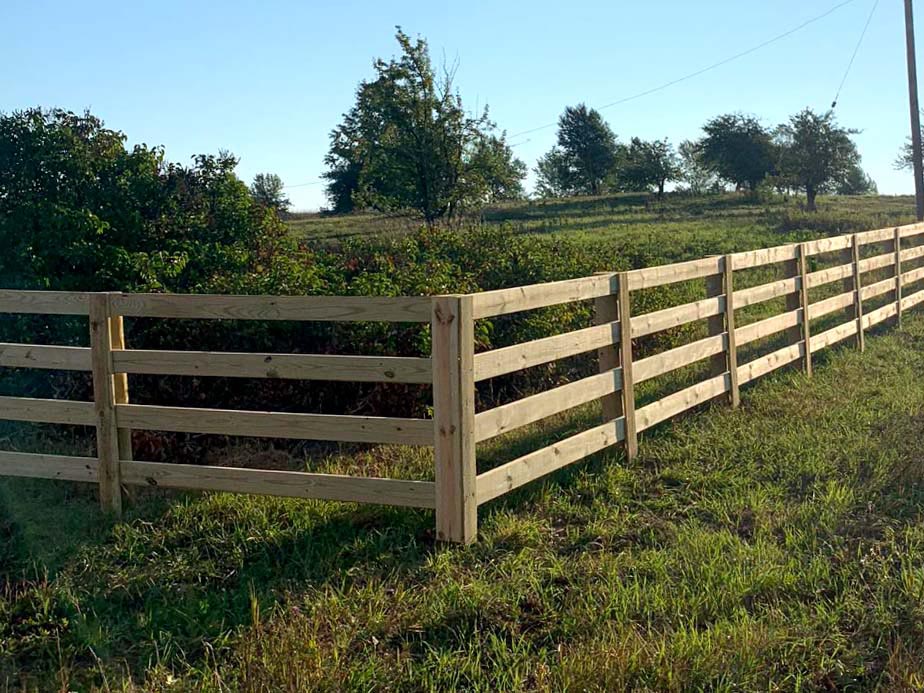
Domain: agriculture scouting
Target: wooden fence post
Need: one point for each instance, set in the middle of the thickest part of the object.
(857, 289)
(107, 434)
(898, 275)
(804, 301)
(715, 325)
(120, 385)
(453, 354)
(731, 353)
(625, 363)
(793, 268)
(606, 311)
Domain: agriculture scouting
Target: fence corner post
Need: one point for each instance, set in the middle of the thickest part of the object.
(625, 363)
(857, 290)
(731, 353)
(453, 354)
(107, 433)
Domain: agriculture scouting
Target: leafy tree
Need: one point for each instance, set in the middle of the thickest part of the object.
(856, 182)
(694, 172)
(407, 143)
(79, 211)
(905, 158)
(738, 148)
(648, 165)
(815, 153)
(589, 147)
(268, 190)
(554, 175)
(500, 170)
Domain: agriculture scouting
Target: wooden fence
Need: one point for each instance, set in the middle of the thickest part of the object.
(454, 369)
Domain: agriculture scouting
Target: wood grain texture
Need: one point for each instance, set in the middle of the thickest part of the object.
(417, 494)
(767, 327)
(763, 256)
(44, 357)
(676, 316)
(765, 364)
(36, 466)
(505, 301)
(56, 411)
(834, 335)
(830, 305)
(673, 404)
(678, 357)
(765, 292)
(626, 365)
(670, 274)
(606, 316)
(107, 432)
(44, 302)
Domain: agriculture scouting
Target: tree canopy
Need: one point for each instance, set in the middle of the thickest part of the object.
(268, 190)
(738, 148)
(584, 157)
(648, 165)
(408, 144)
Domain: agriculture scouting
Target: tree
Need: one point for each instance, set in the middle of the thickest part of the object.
(815, 153)
(554, 176)
(267, 189)
(738, 149)
(648, 165)
(856, 182)
(905, 158)
(407, 143)
(590, 147)
(699, 177)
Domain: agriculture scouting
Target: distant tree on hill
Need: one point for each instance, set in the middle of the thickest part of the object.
(856, 182)
(584, 157)
(815, 153)
(738, 148)
(905, 158)
(647, 165)
(268, 190)
(698, 177)
(408, 144)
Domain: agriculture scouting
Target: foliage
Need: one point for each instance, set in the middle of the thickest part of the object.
(268, 190)
(738, 148)
(408, 144)
(856, 182)
(696, 174)
(585, 155)
(816, 154)
(905, 158)
(648, 165)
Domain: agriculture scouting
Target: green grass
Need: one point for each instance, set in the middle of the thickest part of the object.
(776, 547)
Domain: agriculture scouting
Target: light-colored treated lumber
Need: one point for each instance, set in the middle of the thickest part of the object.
(715, 325)
(649, 277)
(858, 294)
(834, 335)
(678, 357)
(827, 245)
(767, 327)
(765, 292)
(120, 384)
(490, 364)
(504, 301)
(37, 466)
(628, 369)
(763, 256)
(107, 430)
(831, 274)
(765, 364)
(878, 288)
(416, 494)
(909, 254)
(500, 480)
(56, 411)
(43, 356)
(913, 276)
(830, 305)
(667, 318)
(805, 312)
(731, 344)
(897, 245)
(606, 314)
(909, 230)
(879, 315)
(877, 262)
(678, 402)
(875, 235)
(265, 424)
(44, 302)
(912, 300)
(320, 308)
(394, 369)
(453, 353)
(509, 417)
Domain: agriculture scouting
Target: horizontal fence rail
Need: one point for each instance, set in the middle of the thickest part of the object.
(832, 289)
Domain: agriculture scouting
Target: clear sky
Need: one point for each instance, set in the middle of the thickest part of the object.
(269, 80)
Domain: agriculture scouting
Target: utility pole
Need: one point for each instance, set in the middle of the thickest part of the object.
(915, 111)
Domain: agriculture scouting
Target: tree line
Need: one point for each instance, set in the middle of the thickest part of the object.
(408, 144)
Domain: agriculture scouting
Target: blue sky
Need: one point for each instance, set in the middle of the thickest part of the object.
(269, 80)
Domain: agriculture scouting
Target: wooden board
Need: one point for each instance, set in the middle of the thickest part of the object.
(913, 276)
(766, 292)
(827, 245)
(678, 315)
(678, 357)
(765, 364)
(671, 274)
(877, 262)
(834, 335)
(490, 364)
(56, 411)
(877, 289)
(879, 315)
(417, 494)
(767, 327)
(505, 301)
(321, 308)
(509, 417)
(36, 466)
(763, 256)
(384, 369)
(830, 305)
(678, 402)
(826, 276)
(912, 253)
(44, 302)
(46, 357)
(912, 300)
(261, 424)
(522, 470)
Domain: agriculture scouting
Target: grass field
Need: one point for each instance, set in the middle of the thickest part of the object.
(775, 547)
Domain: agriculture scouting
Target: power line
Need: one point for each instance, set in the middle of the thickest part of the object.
(302, 185)
(854, 55)
(708, 68)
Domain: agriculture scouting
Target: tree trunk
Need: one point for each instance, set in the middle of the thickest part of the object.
(661, 190)
(810, 194)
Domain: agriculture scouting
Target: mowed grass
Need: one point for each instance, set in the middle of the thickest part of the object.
(776, 547)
